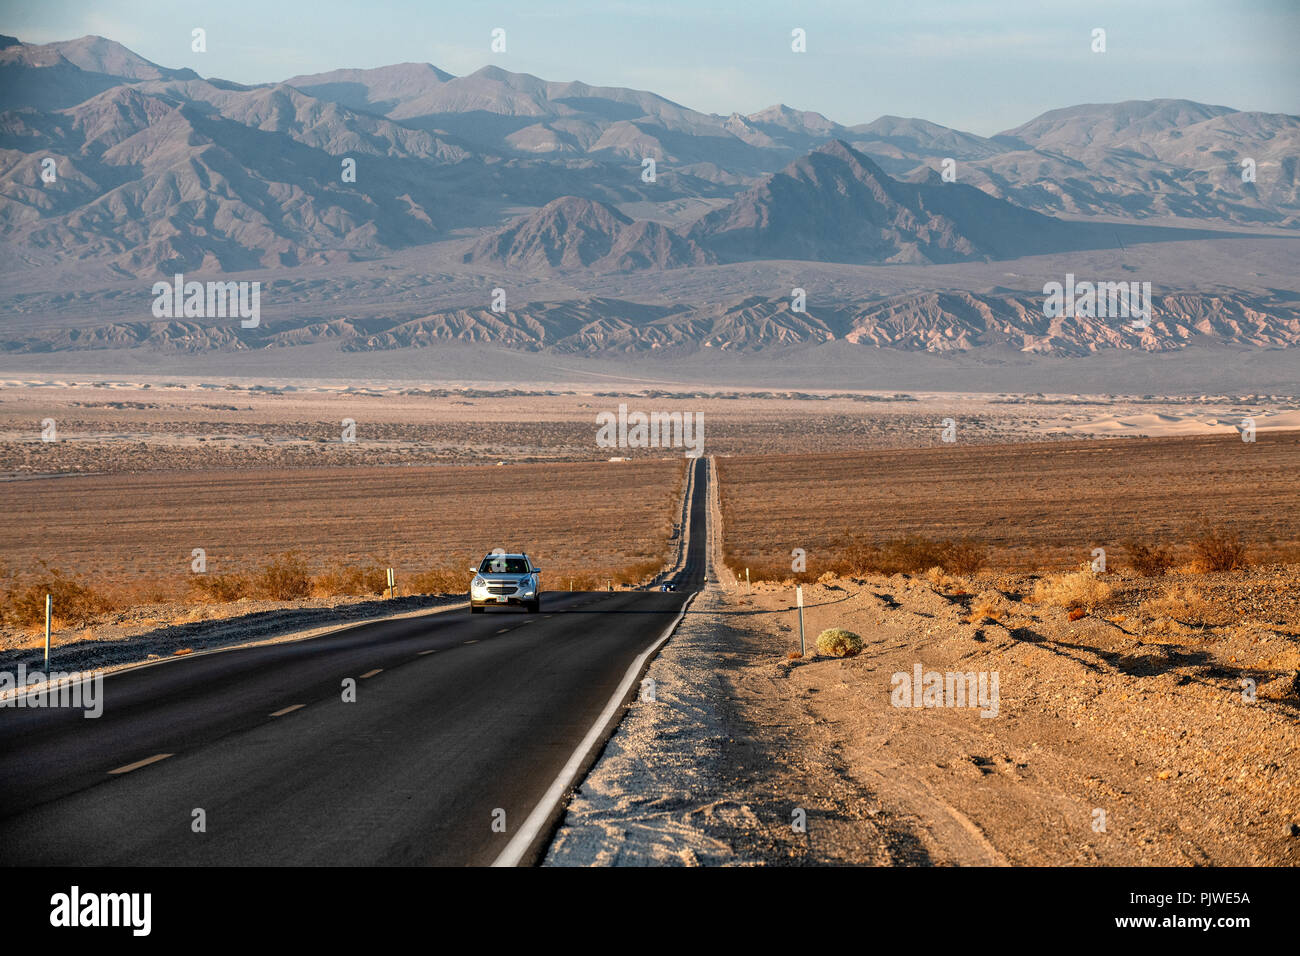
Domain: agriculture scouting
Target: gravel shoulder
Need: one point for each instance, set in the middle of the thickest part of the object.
(1113, 744)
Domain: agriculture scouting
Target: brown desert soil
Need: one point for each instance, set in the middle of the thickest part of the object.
(1033, 505)
(577, 514)
(1157, 725)
(1140, 720)
(130, 536)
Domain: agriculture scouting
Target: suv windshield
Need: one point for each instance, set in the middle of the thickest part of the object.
(498, 564)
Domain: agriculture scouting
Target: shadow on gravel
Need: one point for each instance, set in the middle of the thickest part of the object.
(1152, 660)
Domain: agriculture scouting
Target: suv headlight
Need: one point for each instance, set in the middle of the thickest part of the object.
(478, 582)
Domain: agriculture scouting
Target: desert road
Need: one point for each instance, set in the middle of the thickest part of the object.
(457, 719)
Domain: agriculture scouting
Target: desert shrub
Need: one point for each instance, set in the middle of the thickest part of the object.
(146, 590)
(938, 577)
(8, 587)
(1215, 548)
(857, 555)
(1147, 561)
(455, 578)
(986, 609)
(74, 601)
(559, 578)
(221, 588)
(965, 556)
(635, 573)
(911, 554)
(443, 580)
(1075, 589)
(573, 581)
(283, 578)
(350, 579)
(915, 554)
(1180, 603)
(837, 642)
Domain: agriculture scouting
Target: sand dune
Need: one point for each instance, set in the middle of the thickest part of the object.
(1163, 426)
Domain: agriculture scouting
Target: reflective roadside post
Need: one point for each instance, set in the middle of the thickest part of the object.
(48, 603)
(798, 592)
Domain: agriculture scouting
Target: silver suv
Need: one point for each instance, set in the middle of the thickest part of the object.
(505, 579)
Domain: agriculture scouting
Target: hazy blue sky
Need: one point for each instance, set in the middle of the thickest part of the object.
(977, 65)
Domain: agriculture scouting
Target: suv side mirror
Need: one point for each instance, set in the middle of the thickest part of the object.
(474, 568)
(537, 570)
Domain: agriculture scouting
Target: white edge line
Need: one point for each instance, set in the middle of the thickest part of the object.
(11, 698)
(527, 833)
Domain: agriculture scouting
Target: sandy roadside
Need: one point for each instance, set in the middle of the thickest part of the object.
(1094, 725)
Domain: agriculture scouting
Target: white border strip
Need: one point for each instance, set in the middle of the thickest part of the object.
(532, 827)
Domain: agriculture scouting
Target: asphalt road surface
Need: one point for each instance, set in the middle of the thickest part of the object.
(457, 719)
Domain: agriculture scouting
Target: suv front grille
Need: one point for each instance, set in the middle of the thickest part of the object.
(502, 589)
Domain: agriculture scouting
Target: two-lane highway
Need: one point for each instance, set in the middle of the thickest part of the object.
(460, 725)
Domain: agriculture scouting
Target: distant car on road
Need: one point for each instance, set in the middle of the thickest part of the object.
(504, 579)
(667, 587)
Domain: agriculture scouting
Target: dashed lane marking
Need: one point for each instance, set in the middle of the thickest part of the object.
(141, 763)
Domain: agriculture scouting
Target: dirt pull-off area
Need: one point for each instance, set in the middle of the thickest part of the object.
(1108, 747)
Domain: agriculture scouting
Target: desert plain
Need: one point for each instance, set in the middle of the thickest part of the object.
(951, 530)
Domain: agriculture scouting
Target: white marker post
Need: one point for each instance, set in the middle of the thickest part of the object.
(48, 605)
(748, 590)
(392, 584)
(798, 592)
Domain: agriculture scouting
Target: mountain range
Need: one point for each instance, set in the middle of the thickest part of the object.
(833, 205)
(576, 233)
(159, 170)
(936, 322)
